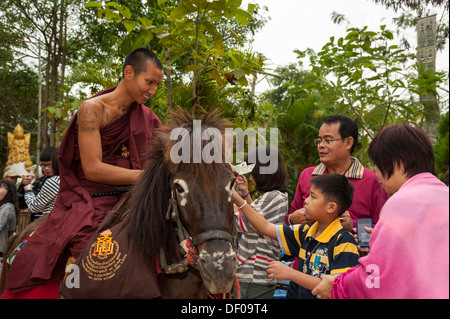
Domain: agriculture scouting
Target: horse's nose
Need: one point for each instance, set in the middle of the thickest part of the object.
(217, 266)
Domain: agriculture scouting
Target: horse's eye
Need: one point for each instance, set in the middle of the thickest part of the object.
(179, 188)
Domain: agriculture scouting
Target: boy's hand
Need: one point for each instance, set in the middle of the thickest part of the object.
(279, 270)
(241, 184)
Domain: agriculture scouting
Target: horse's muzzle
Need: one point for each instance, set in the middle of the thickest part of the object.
(217, 264)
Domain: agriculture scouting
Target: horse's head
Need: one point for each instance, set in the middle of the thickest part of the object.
(206, 212)
(200, 192)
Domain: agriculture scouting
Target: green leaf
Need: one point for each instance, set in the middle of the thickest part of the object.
(178, 12)
(130, 25)
(160, 2)
(234, 4)
(194, 67)
(216, 76)
(242, 17)
(92, 4)
(243, 81)
(218, 45)
(239, 73)
(125, 12)
(142, 39)
(112, 4)
(236, 35)
(112, 16)
(145, 21)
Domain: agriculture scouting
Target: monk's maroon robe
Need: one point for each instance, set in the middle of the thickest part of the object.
(76, 215)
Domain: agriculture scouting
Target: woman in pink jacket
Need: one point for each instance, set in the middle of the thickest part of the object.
(409, 247)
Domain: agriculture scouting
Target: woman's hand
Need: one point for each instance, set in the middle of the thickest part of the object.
(323, 290)
(365, 250)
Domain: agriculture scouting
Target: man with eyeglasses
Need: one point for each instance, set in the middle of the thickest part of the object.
(337, 140)
(47, 171)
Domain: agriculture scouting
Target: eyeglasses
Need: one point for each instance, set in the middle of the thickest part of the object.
(327, 141)
(44, 165)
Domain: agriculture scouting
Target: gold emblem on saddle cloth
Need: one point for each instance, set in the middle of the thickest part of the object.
(104, 246)
(104, 258)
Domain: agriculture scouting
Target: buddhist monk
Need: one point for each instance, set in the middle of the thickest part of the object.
(104, 146)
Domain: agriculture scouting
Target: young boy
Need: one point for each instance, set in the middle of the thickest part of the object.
(330, 196)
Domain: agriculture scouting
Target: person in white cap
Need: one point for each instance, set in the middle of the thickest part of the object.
(11, 175)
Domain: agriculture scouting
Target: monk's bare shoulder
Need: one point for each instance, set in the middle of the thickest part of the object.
(90, 115)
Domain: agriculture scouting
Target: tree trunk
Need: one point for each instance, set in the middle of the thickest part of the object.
(169, 80)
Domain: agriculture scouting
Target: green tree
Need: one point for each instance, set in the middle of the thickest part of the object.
(193, 42)
(441, 148)
(374, 82)
(54, 25)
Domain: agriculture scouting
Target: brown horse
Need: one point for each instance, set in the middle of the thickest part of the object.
(184, 203)
(174, 202)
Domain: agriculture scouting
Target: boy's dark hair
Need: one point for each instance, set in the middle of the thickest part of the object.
(406, 144)
(268, 182)
(138, 60)
(335, 188)
(46, 154)
(347, 127)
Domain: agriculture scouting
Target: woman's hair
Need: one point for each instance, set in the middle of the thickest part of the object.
(46, 154)
(405, 144)
(267, 182)
(11, 195)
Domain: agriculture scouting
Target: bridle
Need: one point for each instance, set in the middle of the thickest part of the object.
(187, 242)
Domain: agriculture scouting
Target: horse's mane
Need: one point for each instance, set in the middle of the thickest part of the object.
(149, 198)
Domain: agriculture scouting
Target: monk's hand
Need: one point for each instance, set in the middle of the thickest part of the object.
(323, 290)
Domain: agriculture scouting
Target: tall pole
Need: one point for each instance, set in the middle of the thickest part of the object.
(38, 144)
(426, 55)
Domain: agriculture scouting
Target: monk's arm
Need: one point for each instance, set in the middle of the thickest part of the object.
(89, 120)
